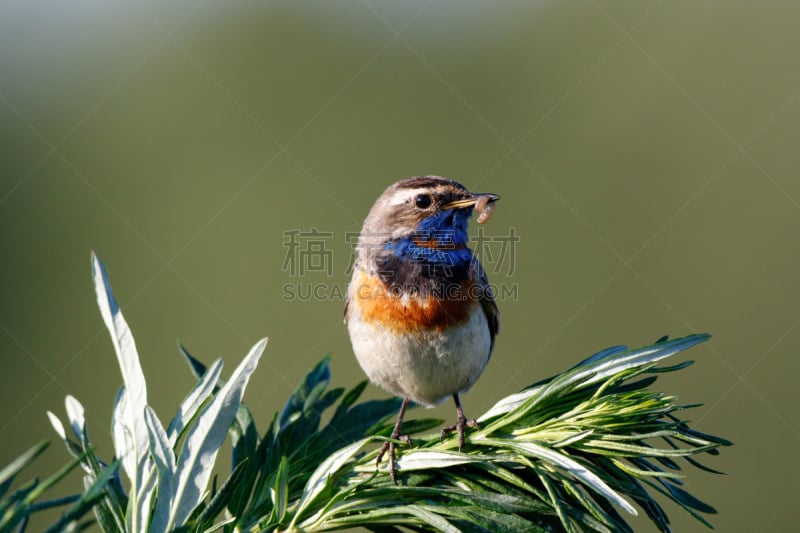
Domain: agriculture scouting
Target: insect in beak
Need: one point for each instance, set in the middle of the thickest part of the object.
(483, 203)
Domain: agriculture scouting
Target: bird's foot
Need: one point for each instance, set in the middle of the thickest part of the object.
(461, 423)
(390, 447)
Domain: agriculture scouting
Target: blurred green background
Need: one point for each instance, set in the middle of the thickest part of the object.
(646, 153)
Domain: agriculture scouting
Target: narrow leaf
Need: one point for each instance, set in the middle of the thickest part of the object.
(57, 425)
(164, 459)
(425, 459)
(203, 441)
(280, 492)
(87, 500)
(194, 400)
(195, 365)
(77, 419)
(132, 414)
(318, 480)
(573, 467)
(8, 473)
(220, 500)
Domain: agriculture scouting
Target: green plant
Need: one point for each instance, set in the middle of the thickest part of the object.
(168, 469)
(17, 507)
(566, 453)
(573, 452)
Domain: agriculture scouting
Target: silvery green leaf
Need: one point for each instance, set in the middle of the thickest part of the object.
(77, 419)
(142, 506)
(203, 440)
(572, 439)
(123, 440)
(509, 403)
(316, 483)
(435, 520)
(128, 358)
(609, 366)
(57, 425)
(164, 459)
(219, 525)
(423, 459)
(72, 447)
(132, 420)
(160, 447)
(588, 477)
(600, 367)
(602, 354)
(194, 400)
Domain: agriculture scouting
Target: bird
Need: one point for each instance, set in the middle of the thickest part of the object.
(420, 312)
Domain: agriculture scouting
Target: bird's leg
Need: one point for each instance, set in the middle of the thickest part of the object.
(461, 423)
(390, 445)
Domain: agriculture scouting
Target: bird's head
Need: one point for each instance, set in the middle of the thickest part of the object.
(424, 212)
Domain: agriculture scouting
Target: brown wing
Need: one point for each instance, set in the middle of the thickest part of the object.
(488, 304)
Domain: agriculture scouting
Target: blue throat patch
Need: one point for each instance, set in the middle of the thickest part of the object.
(439, 240)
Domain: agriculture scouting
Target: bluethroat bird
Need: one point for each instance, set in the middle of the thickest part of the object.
(421, 315)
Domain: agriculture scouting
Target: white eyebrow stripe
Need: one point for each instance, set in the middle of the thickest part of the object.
(406, 195)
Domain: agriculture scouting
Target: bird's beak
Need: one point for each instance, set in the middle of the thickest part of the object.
(472, 200)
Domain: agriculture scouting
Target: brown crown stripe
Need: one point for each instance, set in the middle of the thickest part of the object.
(428, 181)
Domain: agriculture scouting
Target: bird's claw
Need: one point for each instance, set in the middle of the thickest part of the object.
(461, 423)
(389, 446)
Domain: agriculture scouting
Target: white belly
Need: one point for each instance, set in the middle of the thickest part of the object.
(426, 366)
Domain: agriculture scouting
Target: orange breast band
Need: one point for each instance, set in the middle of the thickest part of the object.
(412, 312)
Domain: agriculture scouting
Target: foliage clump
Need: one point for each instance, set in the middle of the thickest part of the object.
(574, 452)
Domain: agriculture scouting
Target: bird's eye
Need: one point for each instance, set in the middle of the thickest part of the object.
(423, 201)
